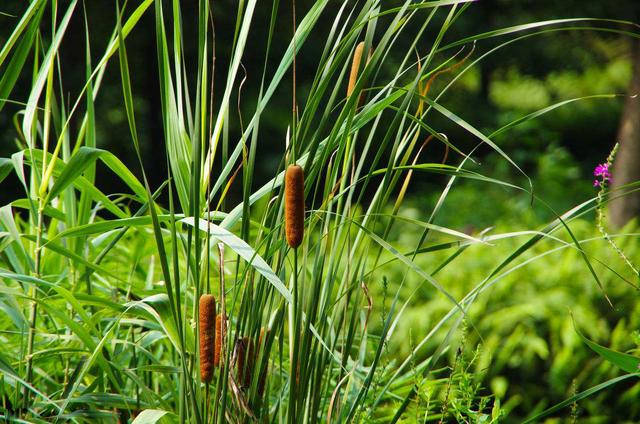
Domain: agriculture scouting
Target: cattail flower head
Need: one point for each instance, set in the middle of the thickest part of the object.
(245, 350)
(294, 205)
(247, 354)
(355, 67)
(221, 329)
(207, 335)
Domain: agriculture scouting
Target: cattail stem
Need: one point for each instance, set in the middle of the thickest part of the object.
(294, 107)
(294, 205)
(207, 332)
(221, 388)
(207, 401)
(293, 380)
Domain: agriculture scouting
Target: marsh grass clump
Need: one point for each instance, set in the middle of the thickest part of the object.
(105, 301)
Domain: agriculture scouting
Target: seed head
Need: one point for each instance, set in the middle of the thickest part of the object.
(207, 335)
(245, 349)
(355, 67)
(294, 205)
(221, 329)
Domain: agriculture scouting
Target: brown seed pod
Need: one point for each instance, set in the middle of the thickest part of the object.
(355, 67)
(294, 205)
(207, 335)
(221, 329)
(248, 354)
(245, 361)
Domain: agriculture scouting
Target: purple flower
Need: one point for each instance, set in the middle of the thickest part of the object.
(602, 170)
(602, 174)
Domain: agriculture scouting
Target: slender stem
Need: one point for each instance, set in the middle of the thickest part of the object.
(33, 313)
(600, 218)
(294, 106)
(294, 370)
(181, 403)
(222, 382)
(207, 398)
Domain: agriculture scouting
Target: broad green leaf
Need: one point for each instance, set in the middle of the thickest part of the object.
(624, 361)
(6, 166)
(61, 250)
(26, 18)
(14, 69)
(8, 222)
(85, 157)
(158, 308)
(149, 416)
(34, 159)
(47, 211)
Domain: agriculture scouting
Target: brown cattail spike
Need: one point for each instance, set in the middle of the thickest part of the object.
(207, 335)
(355, 67)
(245, 349)
(221, 329)
(294, 205)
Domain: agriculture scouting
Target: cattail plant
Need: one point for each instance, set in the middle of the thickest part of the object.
(207, 336)
(219, 338)
(294, 205)
(321, 360)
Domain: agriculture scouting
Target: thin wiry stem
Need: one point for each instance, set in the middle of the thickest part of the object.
(600, 215)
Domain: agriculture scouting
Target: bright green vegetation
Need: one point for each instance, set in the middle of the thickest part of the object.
(387, 312)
